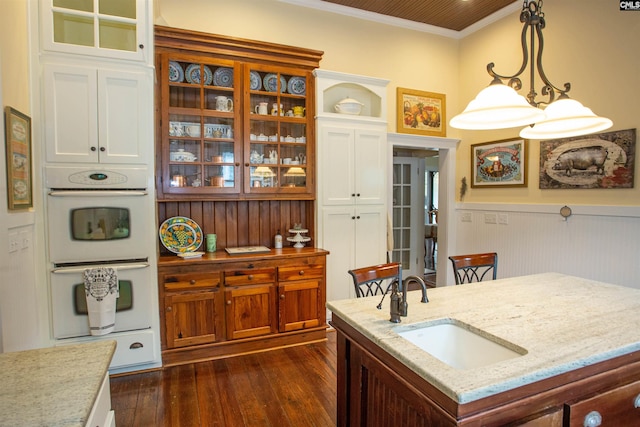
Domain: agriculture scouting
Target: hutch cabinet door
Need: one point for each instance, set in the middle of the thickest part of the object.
(250, 310)
(299, 306)
(190, 318)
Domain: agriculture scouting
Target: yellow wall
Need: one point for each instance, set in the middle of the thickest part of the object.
(14, 54)
(589, 43)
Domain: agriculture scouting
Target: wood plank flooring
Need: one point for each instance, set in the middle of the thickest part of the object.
(293, 386)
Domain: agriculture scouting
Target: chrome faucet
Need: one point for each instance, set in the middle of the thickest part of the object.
(399, 305)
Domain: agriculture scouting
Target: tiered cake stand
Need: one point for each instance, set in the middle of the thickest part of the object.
(298, 237)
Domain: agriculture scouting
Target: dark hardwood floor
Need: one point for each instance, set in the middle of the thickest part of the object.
(293, 386)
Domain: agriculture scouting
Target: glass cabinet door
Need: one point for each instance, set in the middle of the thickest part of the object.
(114, 27)
(276, 131)
(199, 149)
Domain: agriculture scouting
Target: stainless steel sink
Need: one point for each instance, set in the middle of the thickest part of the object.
(458, 344)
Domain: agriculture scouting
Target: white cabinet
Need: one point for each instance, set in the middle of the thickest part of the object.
(352, 165)
(355, 157)
(98, 114)
(107, 28)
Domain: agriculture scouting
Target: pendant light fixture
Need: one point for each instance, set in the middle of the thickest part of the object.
(499, 106)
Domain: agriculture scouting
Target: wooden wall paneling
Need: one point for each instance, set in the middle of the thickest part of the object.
(231, 220)
(244, 238)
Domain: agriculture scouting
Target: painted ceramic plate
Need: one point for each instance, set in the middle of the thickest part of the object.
(176, 73)
(297, 86)
(271, 83)
(180, 234)
(192, 74)
(223, 76)
(256, 81)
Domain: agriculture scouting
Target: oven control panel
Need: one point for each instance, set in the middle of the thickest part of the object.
(65, 177)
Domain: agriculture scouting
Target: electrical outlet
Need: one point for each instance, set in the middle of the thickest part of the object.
(466, 217)
(490, 218)
(14, 244)
(503, 218)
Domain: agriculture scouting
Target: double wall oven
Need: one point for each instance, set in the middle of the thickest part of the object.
(103, 217)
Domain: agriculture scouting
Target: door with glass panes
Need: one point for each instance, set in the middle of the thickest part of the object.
(408, 214)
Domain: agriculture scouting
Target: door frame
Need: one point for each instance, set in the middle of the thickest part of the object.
(446, 192)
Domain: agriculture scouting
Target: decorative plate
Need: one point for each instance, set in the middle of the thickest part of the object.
(180, 234)
(256, 81)
(223, 76)
(271, 83)
(176, 73)
(297, 86)
(193, 74)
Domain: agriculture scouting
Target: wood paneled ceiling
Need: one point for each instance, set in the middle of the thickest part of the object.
(450, 14)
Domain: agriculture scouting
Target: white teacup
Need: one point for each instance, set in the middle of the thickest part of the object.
(192, 130)
(286, 161)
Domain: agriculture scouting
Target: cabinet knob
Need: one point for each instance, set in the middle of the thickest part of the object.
(301, 272)
(141, 46)
(353, 217)
(358, 195)
(353, 194)
(103, 149)
(250, 277)
(246, 164)
(593, 419)
(169, 308)
(136, 345)
(358, 217)
(228, 302)
(192, 281)
(93, 148)
(281, 296)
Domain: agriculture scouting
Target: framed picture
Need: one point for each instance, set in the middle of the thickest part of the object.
(605, 160)
(421, 113)
(18, 146)
(499, 163)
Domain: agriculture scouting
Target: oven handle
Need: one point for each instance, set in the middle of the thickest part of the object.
(119, 267)
(93, 193)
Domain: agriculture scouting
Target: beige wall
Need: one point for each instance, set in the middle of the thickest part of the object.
(589, 43)
(14, 54)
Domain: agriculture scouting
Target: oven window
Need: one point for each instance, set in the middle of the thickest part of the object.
(123, 302)
(100, 223)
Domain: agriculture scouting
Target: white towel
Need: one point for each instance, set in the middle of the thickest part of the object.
(102, 290)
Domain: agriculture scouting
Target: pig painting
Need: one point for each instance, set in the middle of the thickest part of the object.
(582, 159)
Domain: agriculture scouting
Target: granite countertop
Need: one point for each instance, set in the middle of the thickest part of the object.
(55, 386)
(562, 322)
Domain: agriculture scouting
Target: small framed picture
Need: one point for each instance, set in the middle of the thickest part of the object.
(421, 113)
(18, 153)
(499, 163)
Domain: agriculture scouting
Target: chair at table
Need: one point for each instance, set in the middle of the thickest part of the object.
(475, 267)
(375, 279)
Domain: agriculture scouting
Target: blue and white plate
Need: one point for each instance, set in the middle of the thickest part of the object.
(256, 81)
(176, 73)
(297, 86)
(271, 83)
(223, 76)
(192, 74)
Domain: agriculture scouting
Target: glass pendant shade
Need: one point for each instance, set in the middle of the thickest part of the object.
(497, 106)
(565, 118)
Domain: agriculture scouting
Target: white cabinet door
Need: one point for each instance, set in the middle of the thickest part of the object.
(107, 28)
(352, 164)
(355, 237)
(96, 115)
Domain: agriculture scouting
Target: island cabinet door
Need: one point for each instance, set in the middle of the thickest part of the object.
(616, 407)
(250, 310)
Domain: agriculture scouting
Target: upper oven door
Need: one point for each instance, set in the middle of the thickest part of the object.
(100, 225)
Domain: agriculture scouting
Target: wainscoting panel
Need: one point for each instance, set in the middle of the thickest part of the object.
(594, 243)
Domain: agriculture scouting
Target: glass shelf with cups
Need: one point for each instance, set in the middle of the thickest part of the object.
(199, 152)
(276, 128)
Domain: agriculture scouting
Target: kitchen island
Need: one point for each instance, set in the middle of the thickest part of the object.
(57, 386)
(578, 343)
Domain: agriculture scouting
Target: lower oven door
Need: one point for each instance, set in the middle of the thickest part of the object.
(98, 225)
(69, 305)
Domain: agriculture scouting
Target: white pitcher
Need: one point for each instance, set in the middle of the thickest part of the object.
(262, 108)
(223, 103)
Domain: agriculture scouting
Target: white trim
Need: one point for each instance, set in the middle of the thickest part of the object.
(404, 23)
(594, 210)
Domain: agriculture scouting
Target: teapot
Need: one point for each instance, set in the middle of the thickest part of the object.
(349, 106)
(255, 157)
